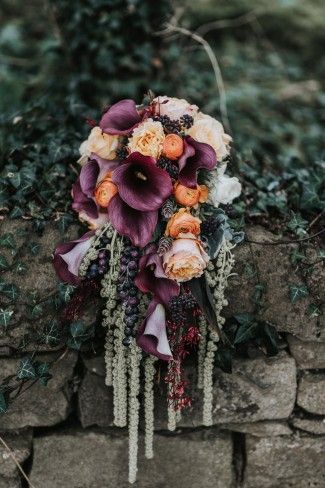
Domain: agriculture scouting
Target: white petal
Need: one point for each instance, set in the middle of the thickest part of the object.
(224, 190)
(156, 326)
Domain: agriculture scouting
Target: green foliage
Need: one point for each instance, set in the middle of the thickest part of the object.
(297, 292)
(79, 334)
(26, 369)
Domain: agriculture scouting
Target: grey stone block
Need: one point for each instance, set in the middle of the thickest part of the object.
(285, 461)
(311, 393)
(314, 426)
(264, 428)
(95, 459)
(40, 405)
(308, 355)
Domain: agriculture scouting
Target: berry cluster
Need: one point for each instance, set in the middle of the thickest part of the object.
(209, 226)
(170, 126)
(100, 266)
(169, 166)
(122, 153)
(181, 307)
(186, 121)
(128, 292)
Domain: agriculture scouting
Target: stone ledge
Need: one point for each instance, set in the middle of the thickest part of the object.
(308, 355)
(258, 389)
(101, 460)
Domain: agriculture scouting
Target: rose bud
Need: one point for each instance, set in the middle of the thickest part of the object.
(105, 191)
(189, 197)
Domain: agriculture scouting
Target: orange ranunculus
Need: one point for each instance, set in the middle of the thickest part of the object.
(183, 222)
(173, 146)
(190, 196)
(105, 191)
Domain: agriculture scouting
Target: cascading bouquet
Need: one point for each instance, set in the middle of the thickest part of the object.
(159, 247)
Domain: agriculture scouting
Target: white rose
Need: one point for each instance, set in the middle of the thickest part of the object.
(147, 139)
(104, 145)
(174, 108)
(223, 189)
(209, 130)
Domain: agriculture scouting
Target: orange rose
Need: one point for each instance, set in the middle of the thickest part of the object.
(173, 146)
(183, 222)
(105, 191)
(190, 196)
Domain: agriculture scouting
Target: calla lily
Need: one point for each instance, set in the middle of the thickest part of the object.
(68, 257)
(120, 118)
(136, 225)
(142, 189)
(141, 184)
(152, 278)
(196, 155)
(152, 335)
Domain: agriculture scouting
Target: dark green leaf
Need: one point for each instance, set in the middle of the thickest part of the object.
(51, 333)
(3, 263)
(297, 292)
(7, 240)
(26, 369)
(10, 290)
(34, 248)
(5, 317)
(223, 359)
(246, 331)
(3, 403)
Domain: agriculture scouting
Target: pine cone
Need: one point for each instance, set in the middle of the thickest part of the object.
(167, 209)
(164, 245)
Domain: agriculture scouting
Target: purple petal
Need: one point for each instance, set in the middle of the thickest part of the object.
(147, 192)
(93, 172)
(196, 155)
(83, 203)
(137, 226)
(152, 278)
(152, 335)
(68, 256)
(120, 118)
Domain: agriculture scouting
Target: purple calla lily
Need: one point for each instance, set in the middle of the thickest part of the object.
(136, 225)
(120, 118)
(196, 155)
(141, 184)
(152, 335)
(68, 256)
(152, 278)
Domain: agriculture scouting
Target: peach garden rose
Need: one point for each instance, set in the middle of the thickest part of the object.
(208, 130)
(104, 145)
(147, 139)
(186, 259)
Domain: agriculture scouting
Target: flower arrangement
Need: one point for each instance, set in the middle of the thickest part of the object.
(150, 187)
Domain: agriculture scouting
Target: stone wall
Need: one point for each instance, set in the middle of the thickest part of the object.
(269, 414)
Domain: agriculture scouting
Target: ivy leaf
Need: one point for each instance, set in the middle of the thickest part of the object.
(36, 311)
(16, 213)
(297, 292)
(5, 317)
(34, 248)
(297, 224)
(271, 338)
(20, 267)
(64, 222)
(313, 310)
(246, 331)
(26, 369)
(296, 256)
(3, 403)
(10, 290)
(3, 263)
(79, 334)
(42, 371)
(51, 334)
(223, 359)
(7, 240)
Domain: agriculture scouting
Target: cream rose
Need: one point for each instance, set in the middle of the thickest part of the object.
(148, 139)
(186, 259)
(222, 189)
(174, 108)
(104, 145)
(209, 130)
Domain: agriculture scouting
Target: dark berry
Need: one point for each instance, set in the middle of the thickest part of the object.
(133, 265)
(126, 341)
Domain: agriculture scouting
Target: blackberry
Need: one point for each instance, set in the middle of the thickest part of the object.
(168, 209)
(122, 152)
(177, 313)
(169, 166)
(170, 126)
(165, 243)
(128, 291)
(188, 301)
(99, 266)
(186, 121)
(209, 226)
